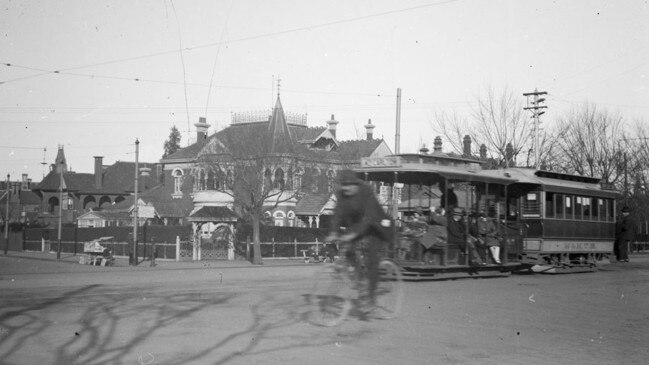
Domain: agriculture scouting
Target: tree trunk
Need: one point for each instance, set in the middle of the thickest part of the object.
(256, 248)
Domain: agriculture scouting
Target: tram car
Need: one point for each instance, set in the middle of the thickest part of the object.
(544, 221)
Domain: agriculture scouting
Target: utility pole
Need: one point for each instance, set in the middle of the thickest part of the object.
(536, 113)
(137, 151)
(7, 219)
(397, 135)
(58, 250)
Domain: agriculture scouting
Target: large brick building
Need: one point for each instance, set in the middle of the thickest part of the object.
(311, 157)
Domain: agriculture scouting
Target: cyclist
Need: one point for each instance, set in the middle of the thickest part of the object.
(359, 212)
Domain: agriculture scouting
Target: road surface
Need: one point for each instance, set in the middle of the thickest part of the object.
(55, 313)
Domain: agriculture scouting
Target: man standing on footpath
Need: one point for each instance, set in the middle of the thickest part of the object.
(624, 234)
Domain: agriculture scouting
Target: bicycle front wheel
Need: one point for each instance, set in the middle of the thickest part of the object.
(389, 291)
(329, 301)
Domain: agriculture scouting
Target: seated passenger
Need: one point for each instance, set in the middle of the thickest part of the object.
(458, 235)
(487, 234)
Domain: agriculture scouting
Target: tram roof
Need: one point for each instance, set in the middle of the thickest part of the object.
(428, 170)
(557, 182)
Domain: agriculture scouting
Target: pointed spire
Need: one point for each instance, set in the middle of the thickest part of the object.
(281, 139)
(60, 162)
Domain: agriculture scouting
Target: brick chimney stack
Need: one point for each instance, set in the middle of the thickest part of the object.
(437, 144)
(332, 123)
(509, 155)
(483, 151)
(99, 172)
(369, 128)
(201, 130)
(467, 146)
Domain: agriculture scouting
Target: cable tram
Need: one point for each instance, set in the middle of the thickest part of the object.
(544, 222)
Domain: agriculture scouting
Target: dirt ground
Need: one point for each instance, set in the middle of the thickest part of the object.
(53, 314)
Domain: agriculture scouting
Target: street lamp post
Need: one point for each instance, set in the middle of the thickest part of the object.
(135, 207)
(58, 250)
(7, 219)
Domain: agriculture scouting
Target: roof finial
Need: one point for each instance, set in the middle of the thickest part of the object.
(279, 85)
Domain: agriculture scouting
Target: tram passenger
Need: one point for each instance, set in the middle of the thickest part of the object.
(458, 235)
(624, 233)
(358, 210)
(488, 235)
(448, 196)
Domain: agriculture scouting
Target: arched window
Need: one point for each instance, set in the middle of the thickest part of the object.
(229, 180)
(298, 176)
(268, 182)
(104, 201)
(280, 181)
(53, 204)
(178, 180)
(211, 180)
(331, 181)
(89, 202)
(315, 179)
(279, 218)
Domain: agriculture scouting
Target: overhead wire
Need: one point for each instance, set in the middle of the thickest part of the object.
(244, 39)
(182, 61)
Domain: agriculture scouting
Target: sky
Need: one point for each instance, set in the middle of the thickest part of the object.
(94, 76)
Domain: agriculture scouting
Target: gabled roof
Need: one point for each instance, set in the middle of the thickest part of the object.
(118, 178)
(164, 206)
(221, 214)
(106, 215)
(275, 135)
(312, 204)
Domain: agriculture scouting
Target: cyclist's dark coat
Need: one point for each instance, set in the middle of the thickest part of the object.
(361, 213)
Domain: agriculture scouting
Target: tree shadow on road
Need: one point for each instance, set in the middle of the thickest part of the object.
(99, 325)
(89, 326)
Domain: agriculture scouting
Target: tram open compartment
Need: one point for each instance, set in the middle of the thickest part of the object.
(528, 207)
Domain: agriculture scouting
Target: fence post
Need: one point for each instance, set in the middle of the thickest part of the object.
(295, 247)
(177, 248)
(273, 247)
(248, 248)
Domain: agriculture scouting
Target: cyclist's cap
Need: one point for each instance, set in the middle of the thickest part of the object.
(348, 177)
(458, 211)
(625, 210)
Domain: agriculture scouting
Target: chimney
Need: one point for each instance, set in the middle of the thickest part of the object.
(483, 151)
(332, 125)
(25, 183)
(467, 146)
(99, 172)
(437, 144)
(201, 130)
(369, 128)
(509, 155)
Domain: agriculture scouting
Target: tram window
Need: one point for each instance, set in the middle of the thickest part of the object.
(560, 205)
(531, 205)
(568, 206)
(610, 212)
(578, 206)
(549, 205)
(586, 207)
(595, 205)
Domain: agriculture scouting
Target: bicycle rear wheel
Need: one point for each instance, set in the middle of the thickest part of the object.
(389, 291)
(329, 301)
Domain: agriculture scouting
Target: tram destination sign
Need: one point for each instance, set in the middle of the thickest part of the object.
(391, 161)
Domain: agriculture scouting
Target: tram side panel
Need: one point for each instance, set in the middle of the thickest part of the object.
(566, 244)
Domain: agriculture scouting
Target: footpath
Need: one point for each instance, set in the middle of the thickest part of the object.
(69, 261)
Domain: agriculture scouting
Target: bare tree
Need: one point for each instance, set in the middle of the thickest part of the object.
(591, 143)
(636, 186)
(496, 120)
(256, 179)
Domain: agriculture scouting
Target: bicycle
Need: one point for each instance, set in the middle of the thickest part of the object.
(343, 285)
